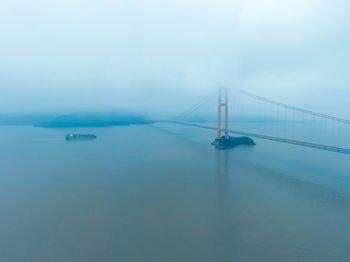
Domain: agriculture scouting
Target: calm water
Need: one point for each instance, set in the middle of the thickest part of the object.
(163, 193)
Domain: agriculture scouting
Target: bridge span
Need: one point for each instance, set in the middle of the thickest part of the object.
(276, 139)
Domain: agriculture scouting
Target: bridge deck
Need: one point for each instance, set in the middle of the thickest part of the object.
(277, 139)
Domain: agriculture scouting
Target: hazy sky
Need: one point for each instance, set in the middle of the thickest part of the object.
(144, 55)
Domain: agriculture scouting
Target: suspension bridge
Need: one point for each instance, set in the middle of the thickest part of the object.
(181, 120)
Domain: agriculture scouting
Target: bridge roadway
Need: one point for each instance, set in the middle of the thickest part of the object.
(276, 139)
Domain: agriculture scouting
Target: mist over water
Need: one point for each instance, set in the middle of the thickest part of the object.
(158, 57)
(148, 189)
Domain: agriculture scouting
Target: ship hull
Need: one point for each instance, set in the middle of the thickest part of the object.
(80, 137)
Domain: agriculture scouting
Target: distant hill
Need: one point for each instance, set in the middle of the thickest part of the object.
(24, 119)
(73, 120)
(93, 120)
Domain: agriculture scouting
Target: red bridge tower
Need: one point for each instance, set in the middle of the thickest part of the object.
(221, 104)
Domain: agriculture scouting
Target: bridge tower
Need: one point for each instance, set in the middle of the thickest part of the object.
(227, 142)
(220, 105)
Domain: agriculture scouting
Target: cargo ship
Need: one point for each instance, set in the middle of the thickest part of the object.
(80, 137)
